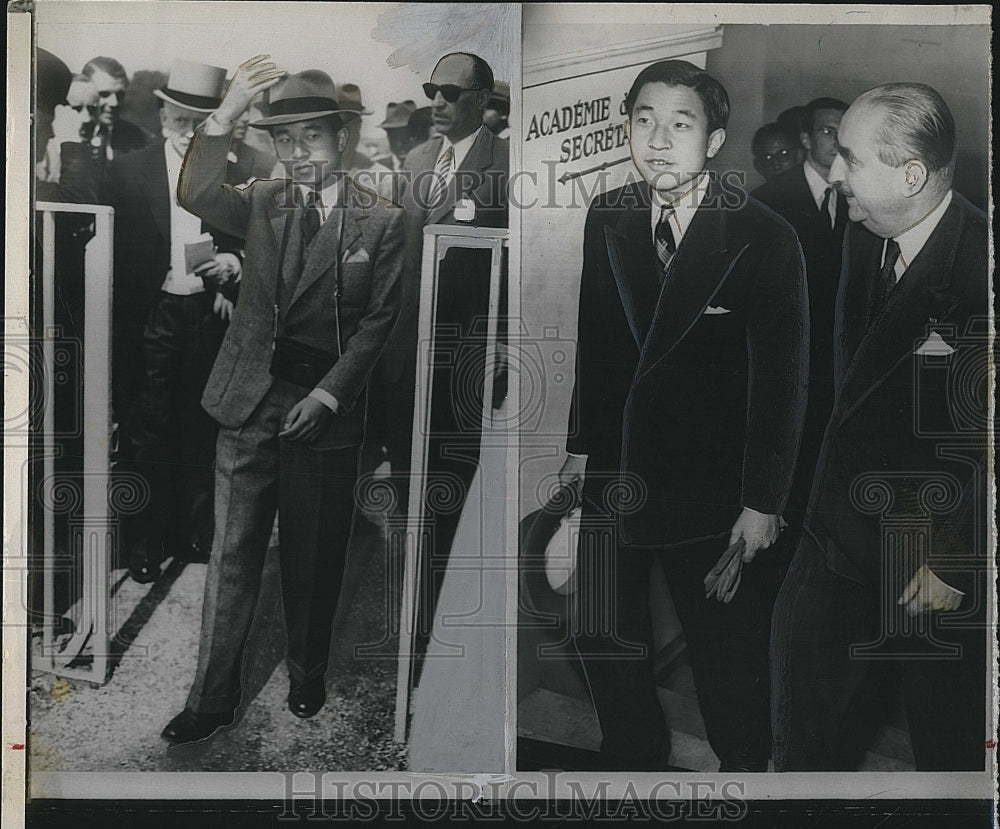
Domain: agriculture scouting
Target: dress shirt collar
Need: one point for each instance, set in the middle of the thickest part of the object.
(461, 147)
(328, 197)
(817, 184)
(685, 206)
(912, 240)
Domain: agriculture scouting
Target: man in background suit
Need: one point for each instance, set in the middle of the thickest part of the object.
(317, 301)
(169, 319)
(891, 564)
(806, 199)
(458, 178)
(118, 136)
(689, 398)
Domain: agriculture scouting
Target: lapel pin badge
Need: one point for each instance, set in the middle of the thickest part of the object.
(465, 210)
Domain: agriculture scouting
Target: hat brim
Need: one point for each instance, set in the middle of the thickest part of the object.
(394, 125)
(292, 117)
(186, 104)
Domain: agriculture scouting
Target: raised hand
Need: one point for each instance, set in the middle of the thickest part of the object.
(252, 78)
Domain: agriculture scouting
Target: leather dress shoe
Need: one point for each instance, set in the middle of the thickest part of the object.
(189, 726)
(193, 553)
(305, 699)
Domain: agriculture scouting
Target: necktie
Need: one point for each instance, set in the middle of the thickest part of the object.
(442, 175)
(824, 209)
(664, 236)
(310, 218)
(886, 280)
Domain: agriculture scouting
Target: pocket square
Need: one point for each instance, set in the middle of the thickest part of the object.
(360, 255)
(934, 346)
(711, 309)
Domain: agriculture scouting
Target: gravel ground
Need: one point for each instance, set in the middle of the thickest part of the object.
(77, 726)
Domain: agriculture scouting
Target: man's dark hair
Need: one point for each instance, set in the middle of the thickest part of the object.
(482, 75)
(791, 120)
(52, 81)
(109, 66)
(681, 73)
(916, 124)
(768, 132)
(815, 105)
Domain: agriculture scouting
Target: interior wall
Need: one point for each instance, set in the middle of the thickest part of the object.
(767, 69)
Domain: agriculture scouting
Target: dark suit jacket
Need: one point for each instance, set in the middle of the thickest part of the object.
(361, 244)
(126, 138)
(138, 188)
(789, 196)
(250, 163)
(482, 177)
(698, 414)
(901, 420)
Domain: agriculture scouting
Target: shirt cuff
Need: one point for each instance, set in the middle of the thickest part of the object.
(215, 127)
(326, 399)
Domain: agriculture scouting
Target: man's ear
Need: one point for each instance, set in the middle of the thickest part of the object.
(343, 136)
(483, 97)
(914, 177)
(806, 140)
(715, 142)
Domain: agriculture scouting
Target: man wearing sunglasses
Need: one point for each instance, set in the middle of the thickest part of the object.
(804, 196)
(458, 177)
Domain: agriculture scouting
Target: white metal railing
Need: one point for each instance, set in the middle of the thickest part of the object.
(438, 240)
(90, 536)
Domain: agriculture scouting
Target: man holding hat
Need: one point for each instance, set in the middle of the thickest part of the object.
(170, 271)
(318, 299)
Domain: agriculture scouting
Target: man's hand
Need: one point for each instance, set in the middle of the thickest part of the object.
(572, 471)
(759, 531)
(222, 307)
(219, 270)
(252, 78)
(68, 123)
(306, 421)
(926, 592)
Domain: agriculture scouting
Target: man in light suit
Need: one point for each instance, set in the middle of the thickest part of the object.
(317, 301)
(891, 565)
(168, 326)
(458, 178)
(689, 398)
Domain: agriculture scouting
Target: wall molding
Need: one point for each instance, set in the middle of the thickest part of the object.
(603, 58)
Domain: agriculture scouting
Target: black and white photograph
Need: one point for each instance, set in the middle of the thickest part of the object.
(517, 412)
(268, 420)
(754, 514)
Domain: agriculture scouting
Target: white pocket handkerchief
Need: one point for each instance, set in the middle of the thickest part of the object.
(360, 255)
(711, 309)
(934, 346)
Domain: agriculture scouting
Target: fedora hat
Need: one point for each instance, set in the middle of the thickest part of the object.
(301, 97)
(397, 116)
(194, 86)
(350, 99)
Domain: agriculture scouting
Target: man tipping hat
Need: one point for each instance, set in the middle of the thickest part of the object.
(172, 274)
(318, 299)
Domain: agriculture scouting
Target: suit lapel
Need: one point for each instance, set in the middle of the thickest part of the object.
(920, 299)
(341, 229)
(158, 193)
(630, 253)
(698, 270)
(477, 161)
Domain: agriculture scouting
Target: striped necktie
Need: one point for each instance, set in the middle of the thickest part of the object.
(664, 236)
(886, 281)
(442, 175)
(310, 217)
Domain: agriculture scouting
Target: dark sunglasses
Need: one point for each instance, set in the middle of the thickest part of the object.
(773, 158)
(449, 92)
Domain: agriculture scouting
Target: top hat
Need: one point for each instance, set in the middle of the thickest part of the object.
(397, 116)
(194, 86)
(350, 98)
(301, 97)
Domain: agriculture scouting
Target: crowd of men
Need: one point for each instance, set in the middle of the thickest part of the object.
(798, 372)
(259, 301)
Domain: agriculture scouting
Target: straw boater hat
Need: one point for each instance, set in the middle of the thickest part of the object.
(301, 97)
(397, 116)
(194, 86)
